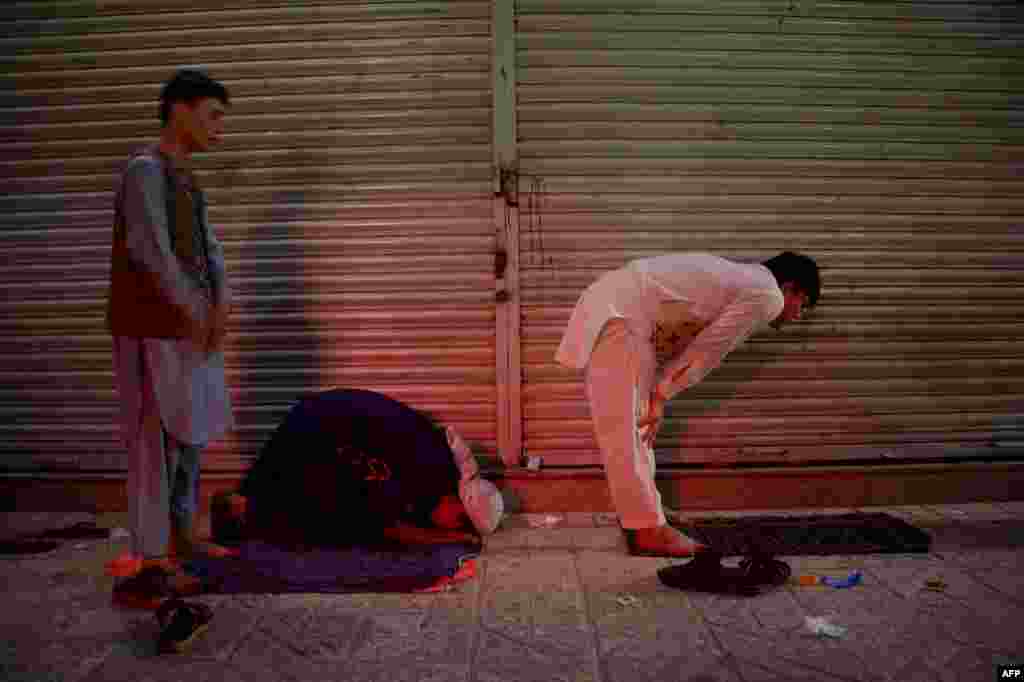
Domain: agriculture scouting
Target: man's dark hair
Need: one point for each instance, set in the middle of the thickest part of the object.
(187, 86)
(799, 269)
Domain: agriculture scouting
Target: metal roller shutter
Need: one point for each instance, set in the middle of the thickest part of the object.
(883, 139)
(352, 194)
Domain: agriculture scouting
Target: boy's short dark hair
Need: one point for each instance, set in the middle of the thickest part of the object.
(798, 268)
(188, 85)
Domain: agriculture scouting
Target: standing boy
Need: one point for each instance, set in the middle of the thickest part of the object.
(167, 311)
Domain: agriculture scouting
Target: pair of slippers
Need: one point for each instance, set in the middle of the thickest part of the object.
(755, 574)
(705, 572)
(49, 540)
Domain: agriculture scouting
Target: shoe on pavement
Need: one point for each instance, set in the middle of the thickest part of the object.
(754, 575)
(181, 623)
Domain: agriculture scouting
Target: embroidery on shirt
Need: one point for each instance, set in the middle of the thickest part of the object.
(364, 467)
(378, 470)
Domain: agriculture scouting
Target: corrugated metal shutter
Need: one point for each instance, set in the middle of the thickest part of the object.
(883, 139)
(352, 194)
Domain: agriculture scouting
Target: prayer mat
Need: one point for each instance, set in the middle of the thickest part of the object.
(48, 540)
(810, 535)
(263, 568)
(27, 546)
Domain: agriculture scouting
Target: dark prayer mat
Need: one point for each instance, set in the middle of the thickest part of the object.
(810, 535)
(263, 568)
(84, 530)
(19, 546)
(48, 540)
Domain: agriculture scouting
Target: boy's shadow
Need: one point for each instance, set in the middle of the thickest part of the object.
(279, 328)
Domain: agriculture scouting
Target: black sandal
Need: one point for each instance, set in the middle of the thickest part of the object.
(46, 541)
(705, 573)
(181, 623)
(763, 569)
(19, 546)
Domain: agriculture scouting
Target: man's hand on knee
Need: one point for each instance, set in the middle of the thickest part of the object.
(651, 422)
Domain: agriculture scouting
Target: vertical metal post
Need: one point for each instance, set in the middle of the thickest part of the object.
(506, 224)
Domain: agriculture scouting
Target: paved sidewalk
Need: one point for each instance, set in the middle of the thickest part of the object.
(550, 604)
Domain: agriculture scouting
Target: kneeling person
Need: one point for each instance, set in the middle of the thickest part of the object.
(351, 466)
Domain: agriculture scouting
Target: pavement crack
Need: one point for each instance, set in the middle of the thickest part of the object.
(600, 673)
(477, 620)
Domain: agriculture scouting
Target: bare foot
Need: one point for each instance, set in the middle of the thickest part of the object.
(663, 541)
(239, 505)
(184, 585)
(215, 551)
(166, 564)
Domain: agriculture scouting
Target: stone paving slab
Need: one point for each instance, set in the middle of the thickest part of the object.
(792, 654)
(500, 659)
(914, 515)
(33, 656)
(554, 600)
(975, 511)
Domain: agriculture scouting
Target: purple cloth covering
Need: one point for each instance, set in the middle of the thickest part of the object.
(267, 568)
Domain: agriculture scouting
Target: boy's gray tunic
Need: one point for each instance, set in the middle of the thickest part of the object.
(173, 394)
(188, 383)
